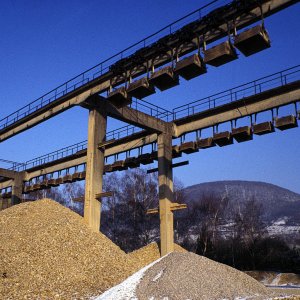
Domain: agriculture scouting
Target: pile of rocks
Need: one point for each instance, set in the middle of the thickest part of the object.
(48, 252)
(148, 254)
(187, 275)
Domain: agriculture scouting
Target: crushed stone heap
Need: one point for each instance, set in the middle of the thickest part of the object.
(183, 276)
(148, 254)
(47, 252)
(187, 275)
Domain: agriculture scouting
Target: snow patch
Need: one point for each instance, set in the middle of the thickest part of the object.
(158, 276)
(281, 221)
(280, 229)
(276, 280)
(126, 289)
(246, 298)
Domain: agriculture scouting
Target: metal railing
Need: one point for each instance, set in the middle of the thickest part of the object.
(242, 91)
(73, 149)
(103, 67)
(234, 94)
(116, 134)
(151, 109)
(8, 164)
(122, 132)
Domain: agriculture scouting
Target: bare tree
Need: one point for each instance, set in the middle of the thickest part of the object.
(248, 229)
(124, 217)
(212, 211)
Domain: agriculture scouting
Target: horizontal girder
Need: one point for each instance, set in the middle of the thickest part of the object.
(268, 100)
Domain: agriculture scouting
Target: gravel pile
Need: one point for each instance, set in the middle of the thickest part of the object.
(47, 252)
(148, 254)
(190, 276)
(275, 278)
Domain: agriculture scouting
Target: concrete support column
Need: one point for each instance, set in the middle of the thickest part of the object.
(94, 167)
(16, 190)
(165, 181)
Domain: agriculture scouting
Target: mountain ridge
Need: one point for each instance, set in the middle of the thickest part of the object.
(244, 181)
(277, 202)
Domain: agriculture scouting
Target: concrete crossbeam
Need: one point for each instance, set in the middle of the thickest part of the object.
(6, 184)
(137, 118)
(57, 107)
(8, 173)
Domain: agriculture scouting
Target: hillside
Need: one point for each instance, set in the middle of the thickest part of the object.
(281, 206)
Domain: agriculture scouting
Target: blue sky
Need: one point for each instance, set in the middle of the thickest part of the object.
(44, 43)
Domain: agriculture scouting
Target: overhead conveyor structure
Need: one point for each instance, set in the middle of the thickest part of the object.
(127, 65)
(115, 88)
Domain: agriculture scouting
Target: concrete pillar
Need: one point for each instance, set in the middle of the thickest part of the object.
(94, 167)
(165, 181)
(16, 190)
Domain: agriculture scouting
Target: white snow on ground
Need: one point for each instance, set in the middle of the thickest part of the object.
(126, 289)
(276, 280)
(281, 221)
(244, 298)
(282, 229)
(253, 297)
(158, 275)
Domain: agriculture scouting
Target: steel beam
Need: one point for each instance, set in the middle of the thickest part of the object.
(72, 160)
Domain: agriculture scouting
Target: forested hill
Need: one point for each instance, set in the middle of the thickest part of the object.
(277, 202)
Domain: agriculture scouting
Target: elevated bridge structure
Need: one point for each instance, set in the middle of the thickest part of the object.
(107, 90)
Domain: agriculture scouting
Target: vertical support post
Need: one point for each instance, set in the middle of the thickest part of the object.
(16, 189)
(94, 166)
(165, 181)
